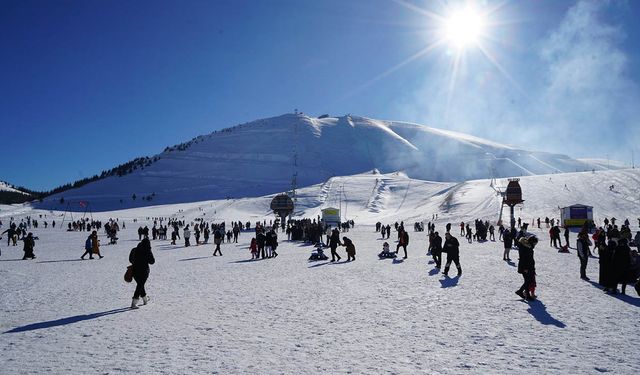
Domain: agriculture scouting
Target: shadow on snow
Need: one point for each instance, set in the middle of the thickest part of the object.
(449, 282)
(65, 321)
(539, 311)
(63, 260)
(196, 258)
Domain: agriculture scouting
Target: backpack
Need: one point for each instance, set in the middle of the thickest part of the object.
(87, 244)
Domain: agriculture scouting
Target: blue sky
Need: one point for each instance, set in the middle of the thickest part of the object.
(87, 85)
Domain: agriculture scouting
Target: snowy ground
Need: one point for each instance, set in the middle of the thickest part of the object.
(286, 315)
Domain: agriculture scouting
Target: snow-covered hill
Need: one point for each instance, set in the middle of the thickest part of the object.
(261, 157)
(230, 314)
(373, 196)
(9, 188)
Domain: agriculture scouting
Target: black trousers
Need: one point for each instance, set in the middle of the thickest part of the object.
(87, 252)
(404, 247)
(437, 257)
(217, 250)
(334, 254)
(455, 260)
(140, 281)
(528, 279)
(583, 266)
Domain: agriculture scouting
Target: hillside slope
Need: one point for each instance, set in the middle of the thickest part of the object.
(261, 157)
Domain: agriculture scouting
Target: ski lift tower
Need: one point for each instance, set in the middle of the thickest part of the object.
(512, 197)
(283, 206)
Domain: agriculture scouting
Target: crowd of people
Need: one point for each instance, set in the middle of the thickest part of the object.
(619, 264)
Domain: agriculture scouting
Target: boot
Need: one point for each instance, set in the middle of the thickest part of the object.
(134, 303)
(459, 271)
(446, 271)
(145, 300)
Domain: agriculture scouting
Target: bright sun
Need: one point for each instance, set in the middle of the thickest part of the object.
(464, 28)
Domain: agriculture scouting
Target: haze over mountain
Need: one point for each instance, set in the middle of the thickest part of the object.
(261, 157)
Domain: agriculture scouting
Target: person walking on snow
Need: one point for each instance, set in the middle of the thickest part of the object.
(187, 235)
(95, 244)
(140, 258)
(29, 244)
(436, 249)
(217, 240)
(452, 248)
(526, 264)
(334, 241)
(582, 245)
(88, 247)
(403, 241)
(350, 248)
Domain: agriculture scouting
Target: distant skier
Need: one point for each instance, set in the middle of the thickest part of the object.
(140, 258)
(452, 248)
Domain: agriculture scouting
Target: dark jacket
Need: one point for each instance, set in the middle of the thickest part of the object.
(334, 240)
(508, 239)
(272, 239)
(526, 261)
(350, 247)
(261, 239)
(436, 245)
(621, 261)
(29, 244)
(452, 248)
(141, 257)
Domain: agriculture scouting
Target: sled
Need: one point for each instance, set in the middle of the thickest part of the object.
(387, 255)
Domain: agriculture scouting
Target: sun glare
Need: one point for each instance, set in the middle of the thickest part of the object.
(464, 28)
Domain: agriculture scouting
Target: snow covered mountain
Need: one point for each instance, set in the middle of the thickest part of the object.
(261, 157)
(9, 188)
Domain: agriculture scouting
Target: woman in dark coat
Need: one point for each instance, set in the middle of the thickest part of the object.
(350, 248)
(606, 278)
(621, 263)
(141, 257)
(29, 244)
(526, 265)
